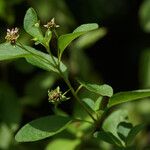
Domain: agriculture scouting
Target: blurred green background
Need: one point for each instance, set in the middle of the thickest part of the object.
(118, 54)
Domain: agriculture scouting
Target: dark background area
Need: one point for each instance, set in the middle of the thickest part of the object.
(117, 55)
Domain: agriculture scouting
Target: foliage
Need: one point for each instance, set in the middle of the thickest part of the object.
(100, 123)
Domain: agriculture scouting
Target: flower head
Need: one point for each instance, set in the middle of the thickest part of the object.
(12, 35)
(51, 24)
(56, 96)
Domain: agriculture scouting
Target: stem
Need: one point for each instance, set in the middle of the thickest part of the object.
(54, 30)
(71, 88)
(78, 99)
(74, 93)
(79, 88)
(102, 119)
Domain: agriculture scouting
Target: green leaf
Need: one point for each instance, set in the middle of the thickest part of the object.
(33, 56)
(7, 51)
(145, 15)
(103, 90)
(97, 103)
(112, 121)
(132, 134)
(90, 38)
(42, 128)
(122, 97)
(86, 27)
(123, 130)
(43, 60)
(63, 144)
(31, 25)
(65, 40)
(48, 36)
(89, 102)
(108, 137)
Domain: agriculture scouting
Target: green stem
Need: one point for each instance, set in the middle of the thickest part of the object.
(79, 88)
(54, 30)
(50, 53)
(78, 99)
(68, 82)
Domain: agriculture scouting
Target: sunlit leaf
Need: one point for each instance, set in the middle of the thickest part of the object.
(7, 51)
(31, 24)
(97, 103)
(123, 130)
(42, 128)
(65, 40)
(90, 38)
(122, 97)
(89, 102)
(86, 27)
(103, 90)
(112, 121)
(33, 56)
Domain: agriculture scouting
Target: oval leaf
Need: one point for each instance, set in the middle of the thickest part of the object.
(123, 130)
(134, 131)
(108, 137)
(33, 56)
(122, 97)
(65, 40)
(103, 90)
(31, 24)
(90, 38)
(7, 51)
(112, 121)
(42, 128)
(89, 102)
(86, 27)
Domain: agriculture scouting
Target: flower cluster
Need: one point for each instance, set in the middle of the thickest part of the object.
(12, 35)
(51, 24)
(56, 96)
